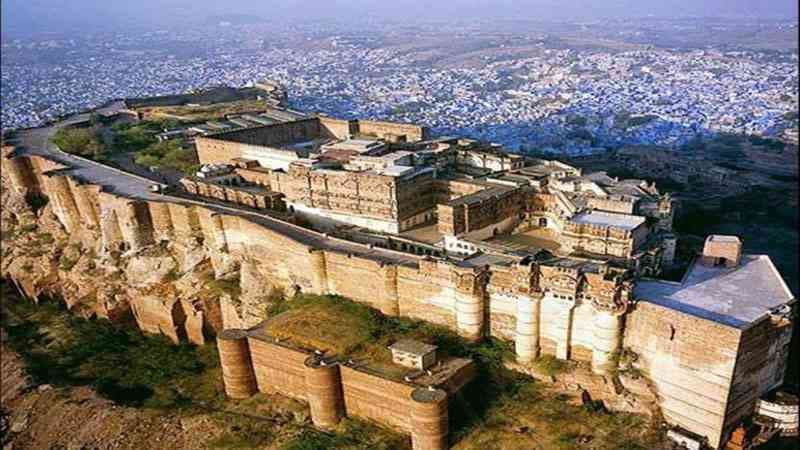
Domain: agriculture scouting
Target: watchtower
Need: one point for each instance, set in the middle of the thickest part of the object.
(720, 250)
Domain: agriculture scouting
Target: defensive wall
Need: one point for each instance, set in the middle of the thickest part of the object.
(253, 362)
(241, 195)
(442, 292)
(704, 371)
(221, 147)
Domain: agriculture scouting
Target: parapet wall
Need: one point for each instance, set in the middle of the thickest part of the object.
(257, 199)
(385, 129)
(222, 147)
(332, 389)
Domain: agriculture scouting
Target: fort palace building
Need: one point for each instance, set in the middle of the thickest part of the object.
(452, 231)
(533, 251)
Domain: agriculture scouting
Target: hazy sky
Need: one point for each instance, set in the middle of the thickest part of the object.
(62, 15)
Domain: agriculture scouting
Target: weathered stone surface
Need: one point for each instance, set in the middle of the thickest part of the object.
(147, 270)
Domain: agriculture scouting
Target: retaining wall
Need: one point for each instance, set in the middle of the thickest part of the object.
(332, 390)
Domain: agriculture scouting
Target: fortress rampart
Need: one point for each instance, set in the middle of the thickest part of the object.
(254, 362)
(706, 373)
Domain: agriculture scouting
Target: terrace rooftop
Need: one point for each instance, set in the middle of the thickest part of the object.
(736, 296)
(357, 335)
(605, 219)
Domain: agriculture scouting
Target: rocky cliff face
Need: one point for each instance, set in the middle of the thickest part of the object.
(166, 287)
(178, 267)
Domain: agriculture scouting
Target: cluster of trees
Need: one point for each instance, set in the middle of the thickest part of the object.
(168, 155)
(84, 142)
(129, 138)
(137, 138)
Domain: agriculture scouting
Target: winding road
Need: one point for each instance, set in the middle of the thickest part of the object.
(37, 141)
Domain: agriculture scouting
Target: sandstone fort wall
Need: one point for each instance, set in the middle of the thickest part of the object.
(332, 390)
(220, 148)
(692, 362)
(337, 128)
(387, 129)
(760, 367)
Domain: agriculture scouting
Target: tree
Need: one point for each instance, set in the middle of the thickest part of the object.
(79, 141)
(148, 160)
(168, 155)
(132, 139)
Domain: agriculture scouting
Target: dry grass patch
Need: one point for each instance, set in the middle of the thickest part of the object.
(201, 113)
(324, 323)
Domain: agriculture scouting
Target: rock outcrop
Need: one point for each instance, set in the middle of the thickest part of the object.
(162, 286)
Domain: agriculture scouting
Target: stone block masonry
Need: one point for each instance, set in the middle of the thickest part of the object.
(708, 375)
(324, 392)
(237, 365)
(254, 362)
(691, 363)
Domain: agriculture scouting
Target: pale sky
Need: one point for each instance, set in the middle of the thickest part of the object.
(64, 15)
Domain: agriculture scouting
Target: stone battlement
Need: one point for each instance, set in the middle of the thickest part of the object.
(333, 389)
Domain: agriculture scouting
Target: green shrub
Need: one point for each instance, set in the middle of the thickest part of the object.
(168, 155)
(550, 365)
(133, 138)
(123, 364)
(80, 141)
(36, 201)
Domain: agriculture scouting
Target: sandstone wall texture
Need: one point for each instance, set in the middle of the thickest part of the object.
(222, 147)
(237, 365)
(324, 392)
(691, 362)
(760, 367)
(279, 368)
(361, 194)
(480, 210)
(240, 195)
(157, 263)
(333, 390)
(337, 128)
(388, 129)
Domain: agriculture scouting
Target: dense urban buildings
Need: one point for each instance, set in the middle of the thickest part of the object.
(524, 90)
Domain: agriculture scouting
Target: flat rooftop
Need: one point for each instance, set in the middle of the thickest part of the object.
(605, 219)
(357, 145)
(735, 296)
(574, 263)
(354, 334)
(412, 346)
(496, 190)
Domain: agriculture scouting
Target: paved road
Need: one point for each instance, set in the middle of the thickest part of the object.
(37, 141)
